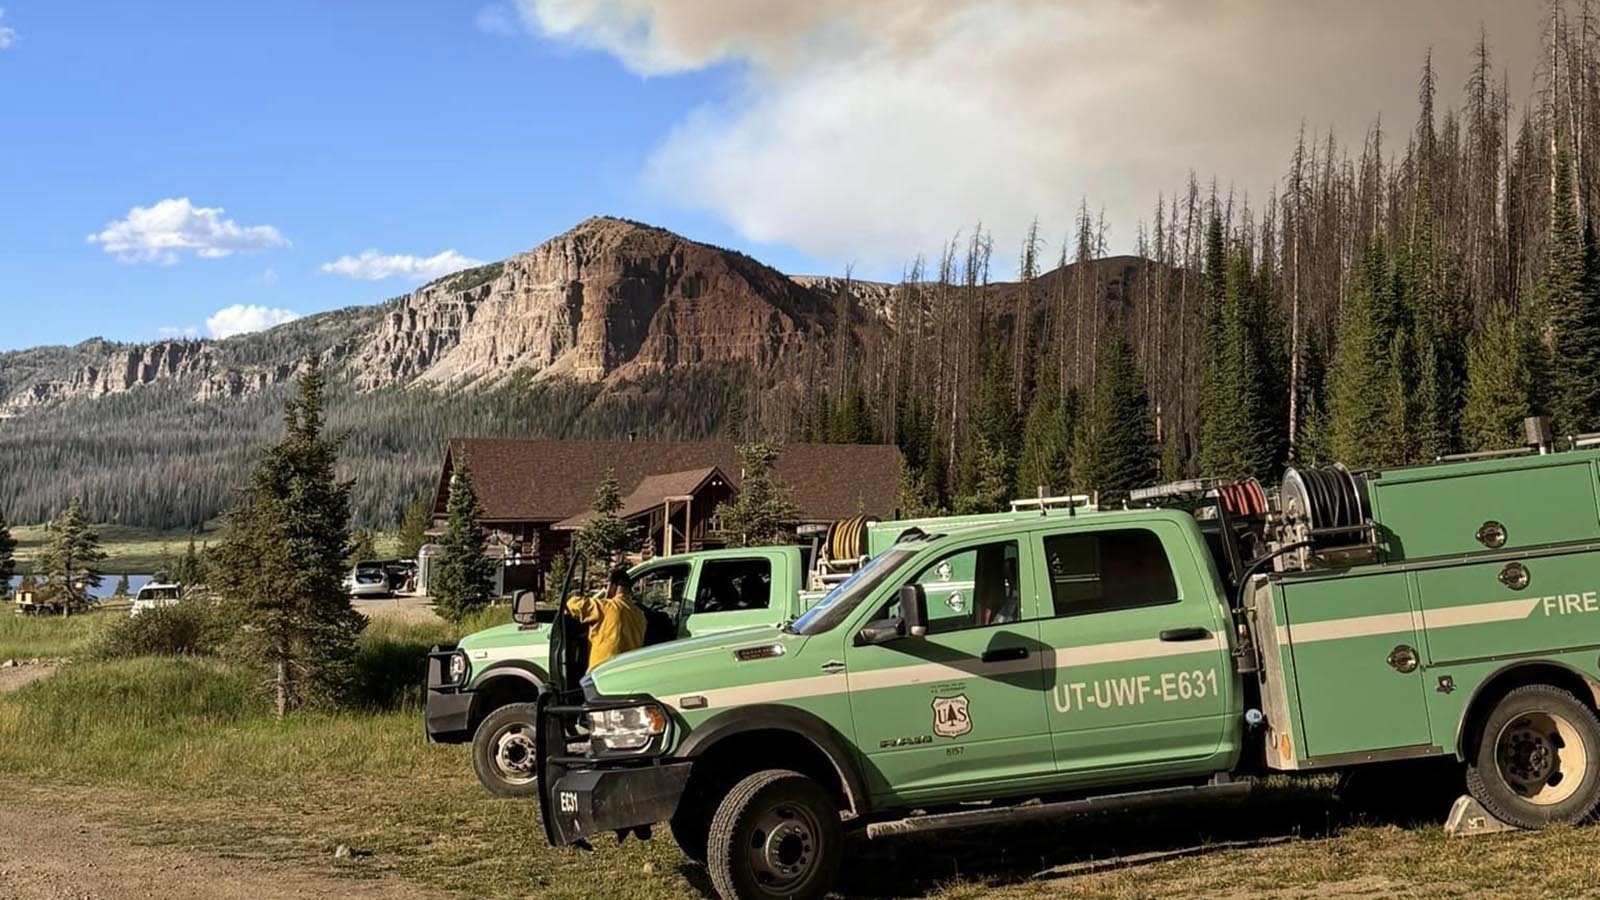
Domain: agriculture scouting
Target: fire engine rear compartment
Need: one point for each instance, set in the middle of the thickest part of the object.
(1472, 569)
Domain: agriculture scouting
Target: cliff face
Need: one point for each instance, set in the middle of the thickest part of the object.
(607, 300)
(118, 371)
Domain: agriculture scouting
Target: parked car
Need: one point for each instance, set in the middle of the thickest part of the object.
(156, 594)
(368, 580)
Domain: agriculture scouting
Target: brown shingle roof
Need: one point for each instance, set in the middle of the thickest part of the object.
(651, 492)
(546, 481)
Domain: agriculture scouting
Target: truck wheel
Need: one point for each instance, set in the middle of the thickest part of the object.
(1537, 760)
(503, 751)
(776, 834)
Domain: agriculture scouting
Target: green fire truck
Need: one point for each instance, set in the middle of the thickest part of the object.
(483, 688)
(1201, 635)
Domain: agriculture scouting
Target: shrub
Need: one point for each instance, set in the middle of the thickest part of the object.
(190, 627)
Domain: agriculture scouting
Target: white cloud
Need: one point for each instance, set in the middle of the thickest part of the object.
(8, 35)
(873, 129)
(244, 319)
(162, 232)
(374, 266)
(186, 332)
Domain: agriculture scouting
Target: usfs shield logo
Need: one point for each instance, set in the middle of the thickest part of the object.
(951, 718)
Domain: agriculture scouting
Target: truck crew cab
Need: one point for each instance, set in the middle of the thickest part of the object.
(1445, 610)
(482, 690)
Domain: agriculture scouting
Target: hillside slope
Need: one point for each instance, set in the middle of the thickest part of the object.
(610, 329)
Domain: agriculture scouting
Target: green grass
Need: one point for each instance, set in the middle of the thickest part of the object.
(141, 551)
(182, 752)
(136, 551)
(25, 637)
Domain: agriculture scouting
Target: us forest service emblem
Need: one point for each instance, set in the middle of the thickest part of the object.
(950, 716)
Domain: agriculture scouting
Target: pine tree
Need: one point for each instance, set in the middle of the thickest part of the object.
(414, 527)
(1499, 382)
(916, 497)
(122, 587)
(363, 546)
(851, 420)
(462, 581)
(763, 512)
(1114, 448)
(607, 538)
(8, 562)
(1046, 458)
(1361, 381)
(68, 560)
(282, 561)
(1244, 404)
(1567, 297)
(189, 569)
(991, 481)
(994, 436)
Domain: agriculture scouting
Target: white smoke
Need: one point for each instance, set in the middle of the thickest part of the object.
(873, 129)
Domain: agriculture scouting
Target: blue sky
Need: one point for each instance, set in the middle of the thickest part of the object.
(221, 153)
(399, 126)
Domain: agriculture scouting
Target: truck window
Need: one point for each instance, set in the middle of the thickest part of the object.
(727, 585)
(970, 588)
(662, 588)
(1099, 571)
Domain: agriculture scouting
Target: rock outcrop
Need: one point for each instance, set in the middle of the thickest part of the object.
(608, 300)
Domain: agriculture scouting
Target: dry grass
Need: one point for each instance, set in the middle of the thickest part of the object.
(180, 752)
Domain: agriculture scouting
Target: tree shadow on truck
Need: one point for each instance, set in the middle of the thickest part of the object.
(1278, 810)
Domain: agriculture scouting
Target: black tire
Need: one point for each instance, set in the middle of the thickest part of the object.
(1536, 760)
(776, 834)
(502, 746)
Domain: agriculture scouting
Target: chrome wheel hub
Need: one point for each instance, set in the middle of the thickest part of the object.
(514, 754)
(783, 846)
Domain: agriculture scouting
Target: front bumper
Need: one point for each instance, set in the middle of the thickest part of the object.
(581, 795)
(447, 710)
(587, 802)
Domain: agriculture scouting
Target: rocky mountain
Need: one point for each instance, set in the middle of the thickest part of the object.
(609, 302)
(612, 329)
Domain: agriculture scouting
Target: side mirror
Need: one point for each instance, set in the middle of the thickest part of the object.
(524, 606)
(881, 631)
(914, 609)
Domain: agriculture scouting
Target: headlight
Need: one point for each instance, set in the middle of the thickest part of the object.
(458, 667)
(629, 728)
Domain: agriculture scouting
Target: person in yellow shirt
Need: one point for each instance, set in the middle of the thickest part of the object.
(615, 624)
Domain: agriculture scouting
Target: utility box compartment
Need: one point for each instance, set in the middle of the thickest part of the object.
(1458, 508)
(1348, 659)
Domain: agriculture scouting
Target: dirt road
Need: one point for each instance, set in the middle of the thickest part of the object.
(48, 852)
(13, 677)
(51, 854)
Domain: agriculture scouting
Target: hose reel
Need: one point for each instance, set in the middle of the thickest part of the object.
(1327, 510)
(847, 538)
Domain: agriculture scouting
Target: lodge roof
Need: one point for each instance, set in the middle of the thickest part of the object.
(652, 491)
(520, 480)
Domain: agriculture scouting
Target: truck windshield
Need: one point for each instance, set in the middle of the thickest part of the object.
(848, 594)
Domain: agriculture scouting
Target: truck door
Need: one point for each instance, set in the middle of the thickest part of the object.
(733, 592)
(1138, 667)
(965, 704)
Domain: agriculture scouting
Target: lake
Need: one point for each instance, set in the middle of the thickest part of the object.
(107, 587)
